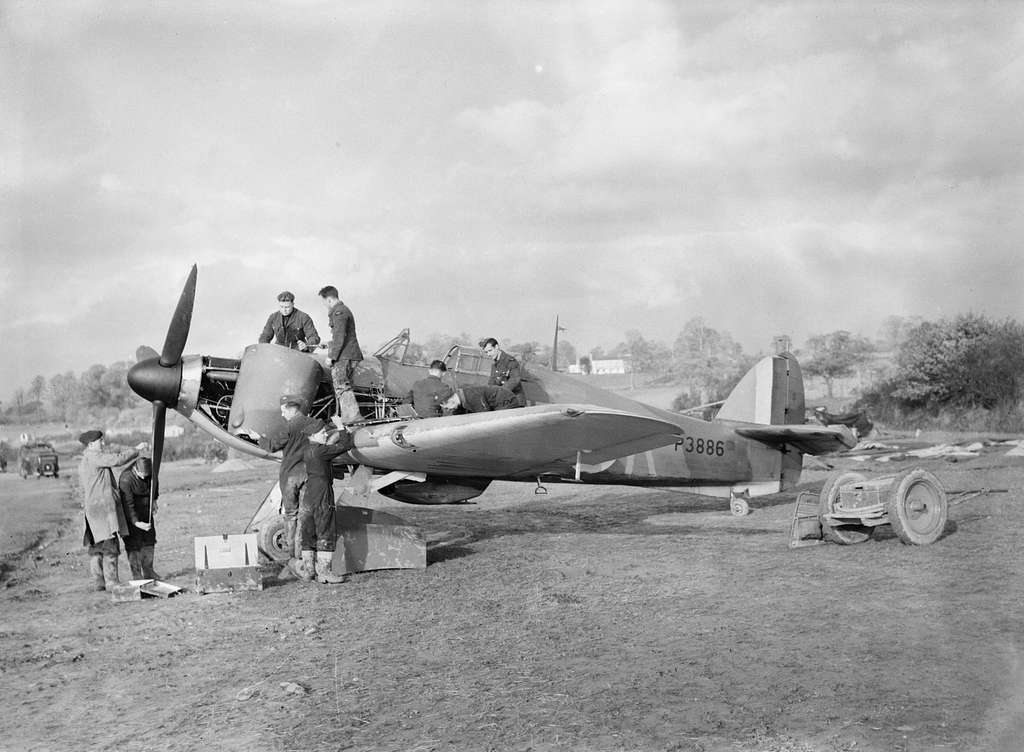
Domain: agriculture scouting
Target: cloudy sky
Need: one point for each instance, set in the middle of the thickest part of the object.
(483, 166)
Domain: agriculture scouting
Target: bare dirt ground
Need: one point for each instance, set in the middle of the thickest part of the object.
(588, 619)
(30, 508)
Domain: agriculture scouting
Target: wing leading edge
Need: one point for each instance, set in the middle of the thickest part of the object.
(804, 438)
(511, 442)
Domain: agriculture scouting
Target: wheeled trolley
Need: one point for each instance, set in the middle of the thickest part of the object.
(850, 507)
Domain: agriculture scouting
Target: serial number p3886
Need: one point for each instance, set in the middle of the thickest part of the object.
(708, 447)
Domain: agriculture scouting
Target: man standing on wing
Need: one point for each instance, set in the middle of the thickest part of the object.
(343, 354)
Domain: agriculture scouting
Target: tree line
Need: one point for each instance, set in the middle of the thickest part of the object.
(964, 372)
(99, 391)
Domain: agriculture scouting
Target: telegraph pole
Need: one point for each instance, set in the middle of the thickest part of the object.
(554, 345)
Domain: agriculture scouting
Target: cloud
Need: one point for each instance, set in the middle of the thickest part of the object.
(518, 125)
(483, 167)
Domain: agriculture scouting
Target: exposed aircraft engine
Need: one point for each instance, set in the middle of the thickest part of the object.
(436, 489)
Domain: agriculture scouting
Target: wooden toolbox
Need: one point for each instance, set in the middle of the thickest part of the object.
(226, 563)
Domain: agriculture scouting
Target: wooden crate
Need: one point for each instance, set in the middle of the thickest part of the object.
(227, 563)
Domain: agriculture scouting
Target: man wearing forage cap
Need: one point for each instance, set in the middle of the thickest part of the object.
(104, 518)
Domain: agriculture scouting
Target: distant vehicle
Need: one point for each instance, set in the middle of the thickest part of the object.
(38, 458)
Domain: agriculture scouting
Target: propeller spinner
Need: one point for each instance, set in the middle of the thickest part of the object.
(158, 378)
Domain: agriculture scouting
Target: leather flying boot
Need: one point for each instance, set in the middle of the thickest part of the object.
(323, 569)
(349, 408)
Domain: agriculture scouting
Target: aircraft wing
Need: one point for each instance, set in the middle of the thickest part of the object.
(521, 441)
(808, 439)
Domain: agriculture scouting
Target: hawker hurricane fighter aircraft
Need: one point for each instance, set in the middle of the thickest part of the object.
(570, 431)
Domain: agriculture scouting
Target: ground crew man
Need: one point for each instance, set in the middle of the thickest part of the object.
(480, 399)
(140, 543)
(505, 371)
(104, 517)
(428, 393)
(318, 534)
(291, 440)
(343, 354)
(289, 326)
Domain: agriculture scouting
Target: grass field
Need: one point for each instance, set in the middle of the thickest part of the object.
(589, 619)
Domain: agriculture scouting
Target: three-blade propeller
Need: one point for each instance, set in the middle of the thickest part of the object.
(158, 377)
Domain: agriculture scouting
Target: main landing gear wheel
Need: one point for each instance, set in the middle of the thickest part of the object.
(916, 506)
(739, 506)
(844, 535)
(272, 539)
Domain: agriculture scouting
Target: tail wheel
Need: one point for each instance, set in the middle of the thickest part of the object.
(739, 506)
(844, 535)
(917, 507)
(272, 539)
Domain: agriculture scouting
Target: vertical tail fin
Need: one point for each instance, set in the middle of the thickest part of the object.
(770, 393)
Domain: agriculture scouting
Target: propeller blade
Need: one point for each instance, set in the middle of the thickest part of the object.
(177, 332)
(157, 445)
(145, 352)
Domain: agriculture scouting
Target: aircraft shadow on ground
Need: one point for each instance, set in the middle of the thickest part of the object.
(606, 514)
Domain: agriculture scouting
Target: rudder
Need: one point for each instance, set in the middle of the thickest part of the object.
(770, 393)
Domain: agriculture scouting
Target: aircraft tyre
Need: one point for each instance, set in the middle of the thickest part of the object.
(917, 507)
(273, 539)
(844, 535)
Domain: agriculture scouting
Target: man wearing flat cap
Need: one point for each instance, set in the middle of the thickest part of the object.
(104, 517)
(291, 439)
(290, 327)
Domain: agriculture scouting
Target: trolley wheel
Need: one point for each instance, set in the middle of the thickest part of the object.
(917, 507)
(845, 535)
(739, 507)
(271, 539)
